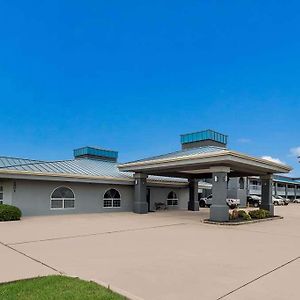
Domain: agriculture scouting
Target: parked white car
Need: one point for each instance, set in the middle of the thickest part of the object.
(285, 200)
(207, 202)
(254, 200)
(297, 200)
(277, 200)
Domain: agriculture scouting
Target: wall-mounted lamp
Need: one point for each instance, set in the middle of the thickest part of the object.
(216, 179)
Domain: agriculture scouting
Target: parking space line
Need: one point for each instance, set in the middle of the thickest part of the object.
(93, 234)
(258, 278)
(32, 258)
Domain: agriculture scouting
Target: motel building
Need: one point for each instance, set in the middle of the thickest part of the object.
(282, 186)
(94, 181)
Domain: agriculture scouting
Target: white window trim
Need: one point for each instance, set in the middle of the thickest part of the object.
(62, 199)
(2, 193)
(112, 200)
(172, 199)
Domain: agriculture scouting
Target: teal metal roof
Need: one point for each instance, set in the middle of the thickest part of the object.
(279, 178)
(185, 153)
(202, 136)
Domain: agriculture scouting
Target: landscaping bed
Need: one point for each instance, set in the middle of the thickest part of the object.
(240, 217)
(9, 213)
(56, 287)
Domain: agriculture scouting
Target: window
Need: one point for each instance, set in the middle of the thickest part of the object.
(242, 183)
(111, 199)
(172, 199)
(62, 198)
(1, 194)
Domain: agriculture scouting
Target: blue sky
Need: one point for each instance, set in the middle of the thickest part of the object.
(133, 75)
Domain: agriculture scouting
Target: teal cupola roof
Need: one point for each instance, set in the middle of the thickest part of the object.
(96, 153)
(203, 138)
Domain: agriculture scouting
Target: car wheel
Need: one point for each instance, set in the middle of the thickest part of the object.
(209, 205)
(255, 204)
(275, 203)
(202, 203)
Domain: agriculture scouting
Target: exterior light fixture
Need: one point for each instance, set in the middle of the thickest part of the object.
(216, 179)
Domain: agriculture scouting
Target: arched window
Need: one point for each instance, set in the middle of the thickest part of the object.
(62, 197)
(242, 183)
(1, 194)
(111, 199)
(172, 199)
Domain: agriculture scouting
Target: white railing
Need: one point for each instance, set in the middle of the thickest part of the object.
(255, 187)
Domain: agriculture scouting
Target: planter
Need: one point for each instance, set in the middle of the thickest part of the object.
(242, 222)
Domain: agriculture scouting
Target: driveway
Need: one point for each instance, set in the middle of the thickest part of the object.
(163, 255)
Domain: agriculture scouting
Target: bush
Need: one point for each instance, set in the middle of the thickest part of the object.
(239, 214)
(234, 215)
(9, 213)
(243, 214)
(259, 214)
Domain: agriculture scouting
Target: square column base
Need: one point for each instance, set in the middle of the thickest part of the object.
(269, 207)
(140, 207)
(194, 206)
(219, 213)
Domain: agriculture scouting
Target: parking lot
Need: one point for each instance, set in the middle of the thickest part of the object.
(163, 255)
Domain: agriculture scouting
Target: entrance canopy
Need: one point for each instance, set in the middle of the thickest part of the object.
(201, 162)
(204, 155)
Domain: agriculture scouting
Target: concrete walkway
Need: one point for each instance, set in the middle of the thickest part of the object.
(164, 255)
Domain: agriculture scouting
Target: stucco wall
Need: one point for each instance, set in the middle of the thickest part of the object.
(33, 197)
(234, 190)
(7, 190)
(184, 198)
(160, 194)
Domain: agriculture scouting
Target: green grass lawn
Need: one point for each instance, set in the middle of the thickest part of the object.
(55, 287)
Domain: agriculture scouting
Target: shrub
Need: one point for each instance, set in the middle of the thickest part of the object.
(9, 213)
(234, 215)
(259, 214)
(239, 214)
(243, 214)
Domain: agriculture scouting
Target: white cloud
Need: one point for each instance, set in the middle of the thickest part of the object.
(244, 141)
(275, 160)
(295, 151)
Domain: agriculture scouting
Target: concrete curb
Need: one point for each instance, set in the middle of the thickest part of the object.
(117, 290)
(242, 222)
